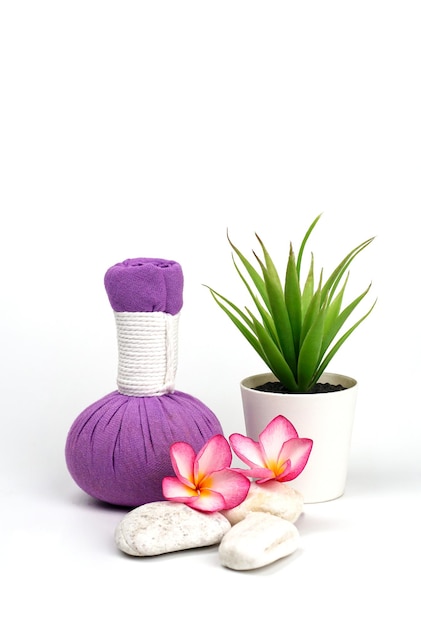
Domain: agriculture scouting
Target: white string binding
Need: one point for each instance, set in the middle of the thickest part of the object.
(147, 353)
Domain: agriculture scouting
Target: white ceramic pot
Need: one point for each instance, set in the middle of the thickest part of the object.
(326, 418)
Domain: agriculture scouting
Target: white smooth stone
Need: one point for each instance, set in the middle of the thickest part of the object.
(259, 539)
(272, 497)
(161, 527)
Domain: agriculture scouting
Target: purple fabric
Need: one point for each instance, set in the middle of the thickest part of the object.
(117, 450)
(145, 284)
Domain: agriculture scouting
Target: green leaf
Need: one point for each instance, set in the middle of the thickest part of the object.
(336, 323)
(277, 308)
(264, 314)
(308, 290)
(254, 275)
(303, 243)
(293, 299)
(337, 345)
(332, 313)
(274, 357)
(313, 311)
(309, 356)
(332, 282)
(237, 321)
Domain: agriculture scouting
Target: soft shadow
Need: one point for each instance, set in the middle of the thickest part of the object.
(87, 501)
(266, 570)
(368, 480)
(308, 524)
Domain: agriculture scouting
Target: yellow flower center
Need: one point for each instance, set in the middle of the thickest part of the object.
(277, 467)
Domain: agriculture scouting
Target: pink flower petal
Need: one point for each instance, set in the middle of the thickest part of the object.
(214, 456)
(208, 501)
(182, 459)
(297, 451)
(247, 450)
(232, 486)
(262, 473)
(274, 435)
(173, 489)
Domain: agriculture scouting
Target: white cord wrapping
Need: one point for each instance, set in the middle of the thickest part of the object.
(147, 353)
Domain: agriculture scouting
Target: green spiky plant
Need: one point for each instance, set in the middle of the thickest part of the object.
(296, 335)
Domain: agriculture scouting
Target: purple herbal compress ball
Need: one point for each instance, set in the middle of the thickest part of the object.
(118, 448)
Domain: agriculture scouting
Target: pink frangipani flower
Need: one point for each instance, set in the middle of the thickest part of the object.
(205, 481)
(278, 455)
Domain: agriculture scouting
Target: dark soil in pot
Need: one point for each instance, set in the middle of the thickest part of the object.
(277, 387)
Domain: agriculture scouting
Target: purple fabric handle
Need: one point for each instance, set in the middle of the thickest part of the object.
(145, 284)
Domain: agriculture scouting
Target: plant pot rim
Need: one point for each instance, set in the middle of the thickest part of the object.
(258, 379)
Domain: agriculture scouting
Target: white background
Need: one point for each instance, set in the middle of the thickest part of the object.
(148, 129)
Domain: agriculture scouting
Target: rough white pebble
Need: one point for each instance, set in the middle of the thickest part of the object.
(257, 540)
(161, 527)
(272, 497)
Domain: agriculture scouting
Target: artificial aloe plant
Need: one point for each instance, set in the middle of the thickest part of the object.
(295, 329)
